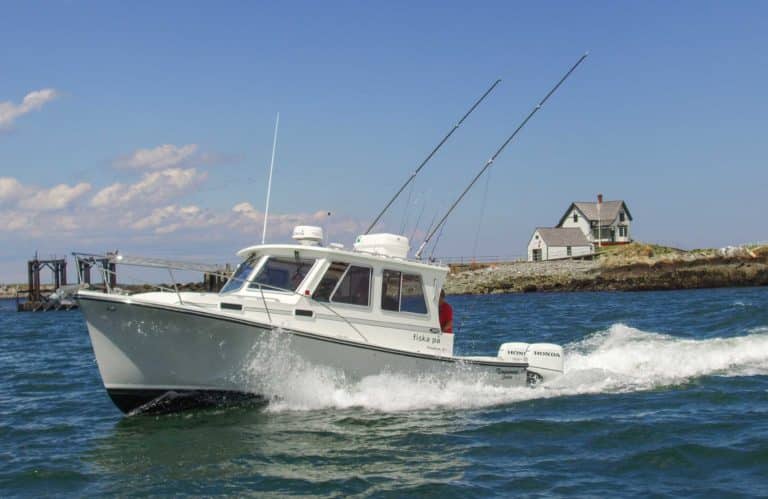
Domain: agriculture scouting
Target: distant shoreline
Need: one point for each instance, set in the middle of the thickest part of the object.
(634, 267)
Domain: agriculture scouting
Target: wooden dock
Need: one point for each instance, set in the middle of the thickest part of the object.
(38, 299)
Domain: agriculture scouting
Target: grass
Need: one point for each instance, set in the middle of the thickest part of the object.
(638, 252)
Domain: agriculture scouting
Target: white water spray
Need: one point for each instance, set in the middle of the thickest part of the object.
(618, 360)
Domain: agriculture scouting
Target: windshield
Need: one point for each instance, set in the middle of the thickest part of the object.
(238, 278)
(282, 273)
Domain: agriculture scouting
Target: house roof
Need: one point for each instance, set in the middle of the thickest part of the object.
(609, 210)
(560, 236)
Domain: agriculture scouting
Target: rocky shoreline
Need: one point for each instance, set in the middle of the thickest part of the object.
(644, 270)
(634, 267)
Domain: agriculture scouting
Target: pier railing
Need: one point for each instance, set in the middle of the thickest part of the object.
(467, 260)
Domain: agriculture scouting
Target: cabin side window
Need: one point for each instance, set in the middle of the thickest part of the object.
(345, 283)
(355, 287)
(282, 274)
(390, 291)
(329, 281)
(402, 293)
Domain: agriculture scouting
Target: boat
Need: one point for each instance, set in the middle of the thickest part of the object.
(360, 312)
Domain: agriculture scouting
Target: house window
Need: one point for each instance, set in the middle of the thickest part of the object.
(622, 217)
(402, 293)
(575, 217)
(622, 231)
(537, 255)
(568, 250)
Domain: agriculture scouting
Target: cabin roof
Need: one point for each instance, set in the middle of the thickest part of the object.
(341, 254)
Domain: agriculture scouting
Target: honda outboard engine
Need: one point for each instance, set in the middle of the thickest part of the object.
(545, 360)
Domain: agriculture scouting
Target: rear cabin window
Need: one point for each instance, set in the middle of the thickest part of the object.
(345, 283)
(412, 295)
(402, 293)
(282, 274)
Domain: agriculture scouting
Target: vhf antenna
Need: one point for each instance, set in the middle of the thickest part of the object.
(269, 182)
(495, 155)
(416, 172)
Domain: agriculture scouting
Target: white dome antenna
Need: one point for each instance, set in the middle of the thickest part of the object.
(308, 235)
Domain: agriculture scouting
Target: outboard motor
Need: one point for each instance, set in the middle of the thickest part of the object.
(545, 360)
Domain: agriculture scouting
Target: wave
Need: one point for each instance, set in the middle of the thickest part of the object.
(617, 360)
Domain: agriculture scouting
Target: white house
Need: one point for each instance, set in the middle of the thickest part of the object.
(604, 223)
(549, 243)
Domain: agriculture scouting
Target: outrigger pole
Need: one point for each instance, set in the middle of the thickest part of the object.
(416, 172)
(495, 155)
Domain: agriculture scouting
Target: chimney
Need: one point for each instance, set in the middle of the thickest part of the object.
(599, 198)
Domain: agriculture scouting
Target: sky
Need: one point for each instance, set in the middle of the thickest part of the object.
(147, 126)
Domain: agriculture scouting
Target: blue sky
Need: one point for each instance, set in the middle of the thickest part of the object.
(148, 125)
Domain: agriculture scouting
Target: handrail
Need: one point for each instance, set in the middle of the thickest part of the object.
(155, 263)
(95, 259)
(312, 300)
(266, 307)
(175, 287)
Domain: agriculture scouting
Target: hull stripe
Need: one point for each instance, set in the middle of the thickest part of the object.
(202, 313)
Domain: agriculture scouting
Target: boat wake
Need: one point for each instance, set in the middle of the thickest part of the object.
(617, 360)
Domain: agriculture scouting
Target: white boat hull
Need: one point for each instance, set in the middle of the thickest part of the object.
(147, 350)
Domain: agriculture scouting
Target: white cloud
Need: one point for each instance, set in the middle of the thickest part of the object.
(9, 111)
(173, 218)
(163, 156)
(247, 219)
(35, 199)
(154, 187)
(12, 221)
(10, 190)
(55, 198)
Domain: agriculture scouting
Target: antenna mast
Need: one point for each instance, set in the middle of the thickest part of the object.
(416, 172)
(269, 182)
(496, 154)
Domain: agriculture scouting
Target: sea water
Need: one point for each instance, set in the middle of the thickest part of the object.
(666, 394)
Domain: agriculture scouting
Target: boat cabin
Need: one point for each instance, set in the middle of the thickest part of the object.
(371, 293)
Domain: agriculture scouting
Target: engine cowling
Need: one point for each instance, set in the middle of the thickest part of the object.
(544, 359)
(514, 352)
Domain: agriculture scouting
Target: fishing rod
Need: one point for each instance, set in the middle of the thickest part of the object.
(416, 172)
(496, 154)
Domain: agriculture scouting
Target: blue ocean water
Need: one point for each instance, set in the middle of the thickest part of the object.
(666, 394)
